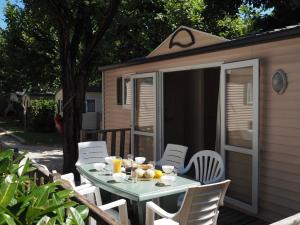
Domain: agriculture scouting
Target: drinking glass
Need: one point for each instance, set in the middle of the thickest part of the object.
(174, 174)
(128, 164)
(133, 175)
(117, 163)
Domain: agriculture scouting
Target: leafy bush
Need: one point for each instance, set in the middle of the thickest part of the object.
(41, 114)
(22, 202)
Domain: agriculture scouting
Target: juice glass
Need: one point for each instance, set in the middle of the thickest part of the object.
(117, 162)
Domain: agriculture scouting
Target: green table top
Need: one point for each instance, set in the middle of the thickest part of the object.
(139, 191)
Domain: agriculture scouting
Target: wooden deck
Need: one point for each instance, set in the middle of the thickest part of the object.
(230, 216)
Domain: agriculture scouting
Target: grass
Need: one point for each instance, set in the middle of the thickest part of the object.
(31, 137)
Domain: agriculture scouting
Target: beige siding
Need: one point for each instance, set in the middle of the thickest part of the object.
(279, 187)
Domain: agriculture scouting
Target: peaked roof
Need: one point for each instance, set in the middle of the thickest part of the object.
(184, 38)
(252, 39)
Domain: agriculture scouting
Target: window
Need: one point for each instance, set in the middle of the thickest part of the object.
(124, 91)
(90, 105)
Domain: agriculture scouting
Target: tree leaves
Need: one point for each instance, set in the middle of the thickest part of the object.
(22, 202)
(7, 190)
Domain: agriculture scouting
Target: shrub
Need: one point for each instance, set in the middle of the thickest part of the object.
(41, 114)
(23, 202)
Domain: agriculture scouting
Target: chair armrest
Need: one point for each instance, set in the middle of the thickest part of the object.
(81, 187)
(158, 210)
(86, 191)
(122, 206)
(114, 204)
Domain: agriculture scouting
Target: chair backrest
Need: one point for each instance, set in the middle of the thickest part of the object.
(209, 166)
(200, 204)
(91, 152)
(174, 155)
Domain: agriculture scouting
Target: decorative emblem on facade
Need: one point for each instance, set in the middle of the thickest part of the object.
(182, 45)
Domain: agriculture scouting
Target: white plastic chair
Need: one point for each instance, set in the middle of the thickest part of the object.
(209, 166)
(121, 215)
(70, 178)
(174, 155)
(92, 193)
(91, 152)
(199, 207)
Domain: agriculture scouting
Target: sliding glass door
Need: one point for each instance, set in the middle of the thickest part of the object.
(239, 131)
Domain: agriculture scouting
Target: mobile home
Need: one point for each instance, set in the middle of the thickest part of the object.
(239, 97)
(91, 112)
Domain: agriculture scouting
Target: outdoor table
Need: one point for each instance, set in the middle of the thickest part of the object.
(140, 192)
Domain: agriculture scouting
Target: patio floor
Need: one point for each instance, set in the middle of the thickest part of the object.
(230, 216)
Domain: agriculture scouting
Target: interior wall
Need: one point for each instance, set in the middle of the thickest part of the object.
(194, 108)
(211, 93)
(190, 109)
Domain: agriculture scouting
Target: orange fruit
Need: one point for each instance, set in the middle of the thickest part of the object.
(158, 174)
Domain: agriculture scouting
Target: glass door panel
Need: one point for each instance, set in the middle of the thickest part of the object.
(239, 131)
(144, 104)
(143, 146)
(144, 115)
(239, 107)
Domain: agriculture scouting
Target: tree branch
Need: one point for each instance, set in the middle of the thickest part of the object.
(102, 27)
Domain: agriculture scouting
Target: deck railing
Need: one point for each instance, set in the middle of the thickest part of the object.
(42, 176)
(118, 140)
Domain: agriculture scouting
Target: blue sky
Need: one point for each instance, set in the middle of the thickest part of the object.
(2, 6)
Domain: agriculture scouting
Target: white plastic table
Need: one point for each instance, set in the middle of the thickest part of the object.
(140, 192)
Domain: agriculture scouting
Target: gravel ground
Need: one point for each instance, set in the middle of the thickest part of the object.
(51, 156)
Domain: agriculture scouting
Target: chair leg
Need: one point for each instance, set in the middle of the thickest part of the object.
(149, 216)
(92, 221)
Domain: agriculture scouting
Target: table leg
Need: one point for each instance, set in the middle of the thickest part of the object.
(141, 207)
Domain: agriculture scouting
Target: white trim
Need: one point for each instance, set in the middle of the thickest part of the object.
(126, 76)
(254, 63)
(160, 114)
(238, 149)
(102, 102)
(192, 67)
(143, 133)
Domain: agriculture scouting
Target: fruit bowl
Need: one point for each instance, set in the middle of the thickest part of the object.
(140, 160)
(167, 179)
(119, 177)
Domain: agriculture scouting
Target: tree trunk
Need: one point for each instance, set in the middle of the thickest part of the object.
(74, 86)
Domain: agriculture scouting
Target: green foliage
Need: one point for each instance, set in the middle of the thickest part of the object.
(22, 202)
(41, 114)
(28, 52)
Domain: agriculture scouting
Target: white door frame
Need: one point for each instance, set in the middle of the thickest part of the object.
(254, 63)
(142, 133)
